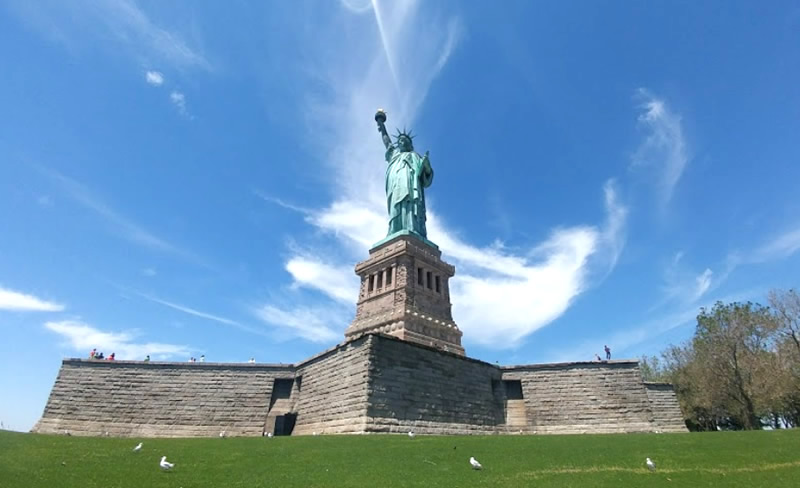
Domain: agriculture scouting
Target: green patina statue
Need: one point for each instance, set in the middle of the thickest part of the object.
(407, 176)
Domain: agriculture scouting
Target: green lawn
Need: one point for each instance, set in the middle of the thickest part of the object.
(725, 459)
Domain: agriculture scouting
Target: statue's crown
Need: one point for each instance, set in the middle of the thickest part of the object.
(406, 134)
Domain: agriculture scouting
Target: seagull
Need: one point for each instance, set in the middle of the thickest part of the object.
(269, 434)
(222, 434)
(314, 433)
(475, 464)
(164, 464)
(411, 434)
(650, 465)
(138, 447)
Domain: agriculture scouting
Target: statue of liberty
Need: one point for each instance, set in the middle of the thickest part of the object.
(407, 176)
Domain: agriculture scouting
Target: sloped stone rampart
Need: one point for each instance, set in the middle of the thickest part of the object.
(666, 409)
(372, 383)
(154, 399)
(585, 397)
(332, 396)
(418, 388)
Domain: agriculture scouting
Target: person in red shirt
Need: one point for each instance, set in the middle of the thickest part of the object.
(91, 354)
(111, 357)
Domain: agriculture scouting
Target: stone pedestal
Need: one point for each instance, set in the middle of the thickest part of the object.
(405, 292)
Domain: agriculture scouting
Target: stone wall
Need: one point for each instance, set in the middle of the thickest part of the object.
(418, 388)
(332, 396)
(154, 399)
(373, 383)
(666, 409)
(585, 397)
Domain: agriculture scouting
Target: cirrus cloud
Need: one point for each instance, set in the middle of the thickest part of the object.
(154, 78)
(81, 337)
(18, 301)
(500, 296)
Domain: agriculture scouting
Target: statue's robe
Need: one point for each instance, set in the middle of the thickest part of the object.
(407, 176)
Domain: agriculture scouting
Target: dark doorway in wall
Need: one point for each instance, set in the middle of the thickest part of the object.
(281, 390)
(513, 389)
(284, 424)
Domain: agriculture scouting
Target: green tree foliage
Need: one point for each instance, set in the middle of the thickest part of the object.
(741, 370)
(652, 369)
(786, 306)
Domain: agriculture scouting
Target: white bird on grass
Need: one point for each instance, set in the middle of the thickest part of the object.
(269, 435)
(165, 465)
(475, 464)
(650, 465)
(411, 434)
(222, 434)
(138, 447)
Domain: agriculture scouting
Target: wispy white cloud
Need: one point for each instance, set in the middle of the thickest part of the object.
(116, 24)
(500, 296)
(702, 283)
(632, 340)
(154, 78)
(685, 285)
(120, 224)
(779, 247)
(203, 315)
(336, 281)
(81, 337)
(149, 272)
(17, 301)
(277, 201)
(664, 148)
(179, 100)
(44, 200)
(688, 286)
(358, 6)
(314, 324)
(131, 231)
(613, 234)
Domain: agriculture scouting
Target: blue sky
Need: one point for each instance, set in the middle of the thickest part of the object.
(180, 178)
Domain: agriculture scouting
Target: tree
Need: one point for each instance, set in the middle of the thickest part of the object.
(786, 306)
(741, 369)
(652, 369)
(733, 343)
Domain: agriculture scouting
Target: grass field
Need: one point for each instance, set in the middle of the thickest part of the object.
(723, 459)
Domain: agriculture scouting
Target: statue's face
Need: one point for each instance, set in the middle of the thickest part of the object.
(405, 144)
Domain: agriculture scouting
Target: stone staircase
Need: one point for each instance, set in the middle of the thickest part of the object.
(667, 414)
(582, 398)
(516, 418)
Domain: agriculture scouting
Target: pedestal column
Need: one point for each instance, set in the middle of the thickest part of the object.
(405, 292)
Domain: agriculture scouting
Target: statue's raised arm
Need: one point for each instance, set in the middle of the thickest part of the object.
(380, 118)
